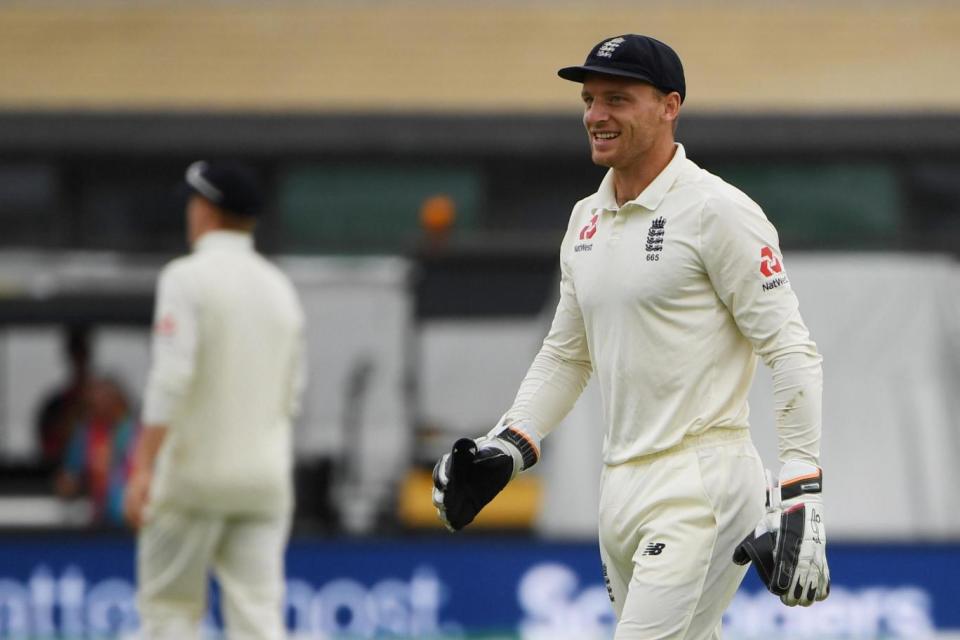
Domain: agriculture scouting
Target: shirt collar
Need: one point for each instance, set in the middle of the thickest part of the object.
(652, 196)
(220, 239)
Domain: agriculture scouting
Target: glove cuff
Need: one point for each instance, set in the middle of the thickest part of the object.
(529, 452)
(522, 437)
(799, 478)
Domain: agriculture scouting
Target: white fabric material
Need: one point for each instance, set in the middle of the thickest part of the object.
(670, 298)
(175, 549)
(669, 569)
(798, 417)
(570, 471)
(226, 376)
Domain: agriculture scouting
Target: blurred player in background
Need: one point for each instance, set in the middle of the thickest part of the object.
(211, 486)
(671, 286)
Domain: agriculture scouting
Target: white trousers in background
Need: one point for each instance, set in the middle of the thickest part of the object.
(669, 523)
(176, 551)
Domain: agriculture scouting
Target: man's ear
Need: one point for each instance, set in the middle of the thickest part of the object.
(671, 106)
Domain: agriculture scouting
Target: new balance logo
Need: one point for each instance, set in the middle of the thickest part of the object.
(654, 549)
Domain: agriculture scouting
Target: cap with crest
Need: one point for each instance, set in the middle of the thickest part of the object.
(229, 185)
(633, 56)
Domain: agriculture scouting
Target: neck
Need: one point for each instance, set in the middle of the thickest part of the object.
(629, 182)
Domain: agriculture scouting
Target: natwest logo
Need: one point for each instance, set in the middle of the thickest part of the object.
(591, 229)
(769, 263)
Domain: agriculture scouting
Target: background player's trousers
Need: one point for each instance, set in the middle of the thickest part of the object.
(176, 551)
(669, 523)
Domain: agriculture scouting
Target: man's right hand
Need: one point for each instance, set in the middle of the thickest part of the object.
(468, 478)
(135, 498)
(137, 492)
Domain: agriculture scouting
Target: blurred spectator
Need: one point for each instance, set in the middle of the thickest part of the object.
(64, 407)
(97, 461)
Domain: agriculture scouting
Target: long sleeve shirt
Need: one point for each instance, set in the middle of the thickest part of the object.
(670, 299)
(227, 372)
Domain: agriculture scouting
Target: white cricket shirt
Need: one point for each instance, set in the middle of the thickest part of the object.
(226, 375)
(669, 299)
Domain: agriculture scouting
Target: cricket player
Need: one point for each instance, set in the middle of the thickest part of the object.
(211, 486)
(672, 285)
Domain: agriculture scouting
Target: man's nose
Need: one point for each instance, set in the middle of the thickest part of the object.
(594, 114)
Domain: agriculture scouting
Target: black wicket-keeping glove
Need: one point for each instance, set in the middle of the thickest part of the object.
(787, 547)
(475, 471)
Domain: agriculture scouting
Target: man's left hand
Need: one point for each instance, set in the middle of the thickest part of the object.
(788, 546)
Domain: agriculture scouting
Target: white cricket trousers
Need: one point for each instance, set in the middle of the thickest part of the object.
(669, 523)
(176, 551)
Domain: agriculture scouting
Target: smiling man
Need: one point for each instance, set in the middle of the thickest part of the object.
(672, 287)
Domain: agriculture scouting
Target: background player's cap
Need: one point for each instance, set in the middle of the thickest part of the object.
(231, 186)
(633, 56)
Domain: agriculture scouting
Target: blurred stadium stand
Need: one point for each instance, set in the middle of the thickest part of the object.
(383, 56)
(839, 118)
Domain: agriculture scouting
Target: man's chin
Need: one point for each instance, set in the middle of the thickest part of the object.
(602, 159)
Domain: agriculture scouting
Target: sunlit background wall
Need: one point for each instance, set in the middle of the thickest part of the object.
(421, 160)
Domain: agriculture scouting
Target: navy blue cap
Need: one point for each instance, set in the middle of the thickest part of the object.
(231, 186)
(633, 56)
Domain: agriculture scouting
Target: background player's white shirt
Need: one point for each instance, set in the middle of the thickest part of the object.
(226, 377)
(669, 299)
